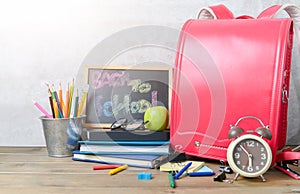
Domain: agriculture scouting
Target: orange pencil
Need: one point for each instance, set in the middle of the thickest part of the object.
(60, 94)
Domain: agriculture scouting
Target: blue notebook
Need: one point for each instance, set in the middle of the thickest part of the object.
(125, 147)
(138, 160)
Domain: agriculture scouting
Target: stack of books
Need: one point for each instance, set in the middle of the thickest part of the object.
(138, 153)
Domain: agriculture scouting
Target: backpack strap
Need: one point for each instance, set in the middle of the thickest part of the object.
(215, 12)
(292, 10)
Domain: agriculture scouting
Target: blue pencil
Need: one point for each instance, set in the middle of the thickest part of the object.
(176, 176)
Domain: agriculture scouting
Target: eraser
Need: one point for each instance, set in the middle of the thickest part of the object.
(144, 176)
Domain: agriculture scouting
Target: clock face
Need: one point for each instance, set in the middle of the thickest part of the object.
(249, 155)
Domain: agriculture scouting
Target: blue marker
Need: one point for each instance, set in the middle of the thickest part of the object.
(176, 176)
(201, 174)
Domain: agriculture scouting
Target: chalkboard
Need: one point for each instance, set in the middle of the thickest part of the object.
(125, 92)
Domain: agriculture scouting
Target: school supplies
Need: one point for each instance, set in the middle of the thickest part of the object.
(204, 171)
(104, 167)
(42, 109)
(61, 108)
(123, 135)
(207, 99)
(178, 174)
(171, 180)
(144, 176)
(135, 160)
(125, 147)
(81, 104)
(176, 166)
(119, 169)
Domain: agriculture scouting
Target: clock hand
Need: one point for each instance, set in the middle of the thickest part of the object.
(250, 160)
(244, 150)
(249, 157)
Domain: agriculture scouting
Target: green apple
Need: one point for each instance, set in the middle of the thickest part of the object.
(156, 118)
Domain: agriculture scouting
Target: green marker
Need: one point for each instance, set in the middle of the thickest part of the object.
(171, 179)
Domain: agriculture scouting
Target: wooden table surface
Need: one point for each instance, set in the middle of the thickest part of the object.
(30, 170)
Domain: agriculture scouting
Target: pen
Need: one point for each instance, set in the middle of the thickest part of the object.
(171, 179)
(119, 169)
(176, 176)
(103, 167)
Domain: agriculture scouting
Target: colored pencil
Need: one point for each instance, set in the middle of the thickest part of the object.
(56, 114)
(42, 109)
(76, 105)
(67, 103)
(58, 104)
(71, 97)
(84, 94)
(50, 100)
(60, 94)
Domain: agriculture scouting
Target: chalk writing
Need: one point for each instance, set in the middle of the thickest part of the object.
(100, 79)
(125, 93)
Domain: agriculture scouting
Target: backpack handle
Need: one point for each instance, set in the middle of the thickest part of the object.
(215, 12)
(292, 10)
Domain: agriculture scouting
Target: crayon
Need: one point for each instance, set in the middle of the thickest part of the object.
(119, 169)
(104, 167)
(171, 180)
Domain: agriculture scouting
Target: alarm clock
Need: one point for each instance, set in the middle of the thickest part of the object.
(249, 155)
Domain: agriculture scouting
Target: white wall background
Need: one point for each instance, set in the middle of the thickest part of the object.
(47, 40)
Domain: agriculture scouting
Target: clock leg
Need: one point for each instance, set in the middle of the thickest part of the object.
(236, 176)
(262, 178)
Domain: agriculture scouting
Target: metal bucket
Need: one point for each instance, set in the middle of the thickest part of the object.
(62, 135)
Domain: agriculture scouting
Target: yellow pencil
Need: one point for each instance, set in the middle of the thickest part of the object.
(81, 103)
(71, 97)
(119, 169)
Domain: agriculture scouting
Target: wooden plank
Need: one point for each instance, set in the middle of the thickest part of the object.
(30, 170)
(23, 150)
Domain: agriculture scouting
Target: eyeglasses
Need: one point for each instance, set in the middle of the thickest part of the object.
(128, 125)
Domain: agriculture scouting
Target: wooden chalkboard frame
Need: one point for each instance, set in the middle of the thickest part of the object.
(90, 110)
